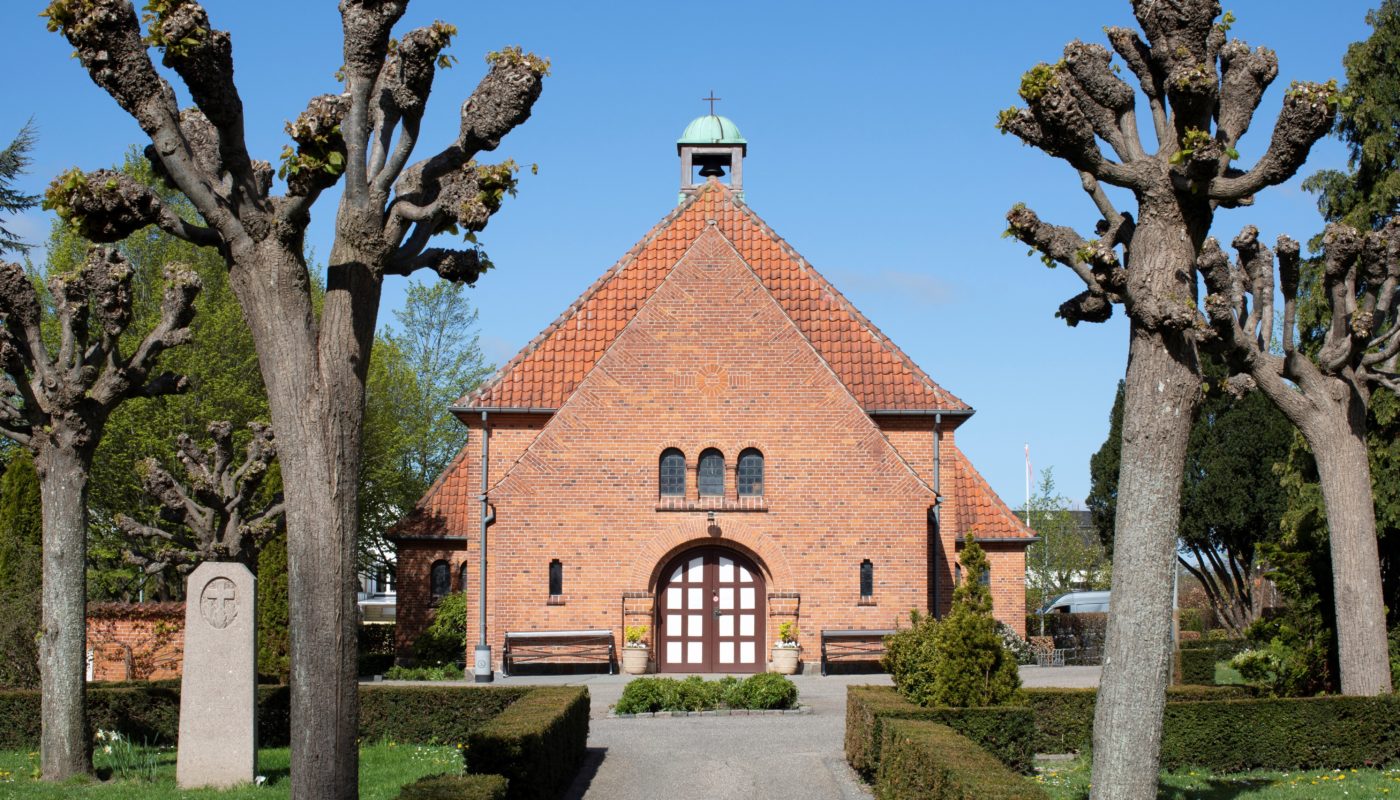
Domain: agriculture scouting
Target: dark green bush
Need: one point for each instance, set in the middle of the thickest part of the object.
(1198, 666)
(431, 714)
(439, 672)
(1282, 733)
(924, 760)
(377, 639)
(764, 690)
(456, 787)
(761, 691)
(151, 713)
(444, 641)
(1007, 732)
(537, 743)
(1064, 718)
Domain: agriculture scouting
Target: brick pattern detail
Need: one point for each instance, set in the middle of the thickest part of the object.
(876, 371)
(141, 642)
(710, 356)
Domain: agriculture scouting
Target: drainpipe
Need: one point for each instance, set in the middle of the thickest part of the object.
(481, 667)
(937, 502)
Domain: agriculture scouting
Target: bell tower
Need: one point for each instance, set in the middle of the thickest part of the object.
(713, 144)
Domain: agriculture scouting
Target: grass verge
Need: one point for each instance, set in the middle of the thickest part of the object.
(1069, 780)
(384, 769)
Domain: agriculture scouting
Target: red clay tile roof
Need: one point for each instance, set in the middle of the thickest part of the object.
(979, 510)
(551, 366)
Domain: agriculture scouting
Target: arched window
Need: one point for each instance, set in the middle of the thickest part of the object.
(751, 473)
(462, 577)
(440, 580)
(556, 577)
(672, 473)
(711, 477)
(867, 578)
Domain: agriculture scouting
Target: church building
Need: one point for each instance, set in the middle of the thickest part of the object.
(710, 441)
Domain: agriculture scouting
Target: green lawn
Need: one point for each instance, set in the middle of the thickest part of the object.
(1070, 781)
(384, 768)
(1226, 675)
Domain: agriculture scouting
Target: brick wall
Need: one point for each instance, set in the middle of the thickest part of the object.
(136, 641)
(711, 360)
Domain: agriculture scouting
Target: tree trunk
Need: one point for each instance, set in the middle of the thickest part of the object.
(1161, 389)
(63, 745)
(1345, 474)
(315, 376)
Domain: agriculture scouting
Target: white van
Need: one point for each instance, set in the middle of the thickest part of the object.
(1078, 603)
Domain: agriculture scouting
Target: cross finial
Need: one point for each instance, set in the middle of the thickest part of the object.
(712, 100)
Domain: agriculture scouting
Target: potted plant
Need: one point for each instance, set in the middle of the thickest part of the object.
(786, 649)
(634, 650)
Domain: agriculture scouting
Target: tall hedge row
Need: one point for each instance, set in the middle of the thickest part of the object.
(1064, 718)
(1282, 733)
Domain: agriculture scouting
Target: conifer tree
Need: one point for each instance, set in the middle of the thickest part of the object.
(20, 568)
(973, 667)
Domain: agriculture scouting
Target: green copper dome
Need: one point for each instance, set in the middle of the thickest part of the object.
(712, 129)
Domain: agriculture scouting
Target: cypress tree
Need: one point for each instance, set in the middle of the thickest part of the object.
(21, 569)
(973, 668)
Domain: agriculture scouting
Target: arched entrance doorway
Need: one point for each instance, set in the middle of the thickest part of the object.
(710, 613)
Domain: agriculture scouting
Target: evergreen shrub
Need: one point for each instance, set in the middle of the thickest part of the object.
(924, 760)
(456, 787)
(959, 660)
(538, 743)
(764, 690)
(274, 611)
(444, 641)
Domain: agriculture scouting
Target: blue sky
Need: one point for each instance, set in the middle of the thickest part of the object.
(871, 150)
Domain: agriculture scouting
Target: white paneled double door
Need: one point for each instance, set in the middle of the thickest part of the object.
(710, 609)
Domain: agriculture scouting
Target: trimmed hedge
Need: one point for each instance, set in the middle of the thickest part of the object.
(537, 743)
(151, 713)
(1197, 666)
(1064, 718)
(1007, 732)
(923, 760)
(455, 787)
(1282, 733)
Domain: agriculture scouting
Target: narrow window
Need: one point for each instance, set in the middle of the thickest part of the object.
(462, 577)
(556, 577)
(440, 580)
(711, 473)
(672, 473)
(751, 473)
(867, 578)
(986, 577)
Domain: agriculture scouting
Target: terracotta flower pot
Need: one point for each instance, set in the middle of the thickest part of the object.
(634, 660)
(785, 660)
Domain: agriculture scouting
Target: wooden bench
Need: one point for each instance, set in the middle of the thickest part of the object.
(533, 647)
(852, 644)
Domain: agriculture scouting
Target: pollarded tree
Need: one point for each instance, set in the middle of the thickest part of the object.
(1202, 90)
(314, 365)
(1326, 398)
(55, 398)
(216, 513)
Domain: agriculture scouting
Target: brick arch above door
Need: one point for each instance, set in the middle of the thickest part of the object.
(694, 531)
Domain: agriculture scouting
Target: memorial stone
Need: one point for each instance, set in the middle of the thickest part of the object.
(218, 691)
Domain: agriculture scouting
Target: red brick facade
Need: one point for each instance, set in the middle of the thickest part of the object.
(712, 333)
(133, 642)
